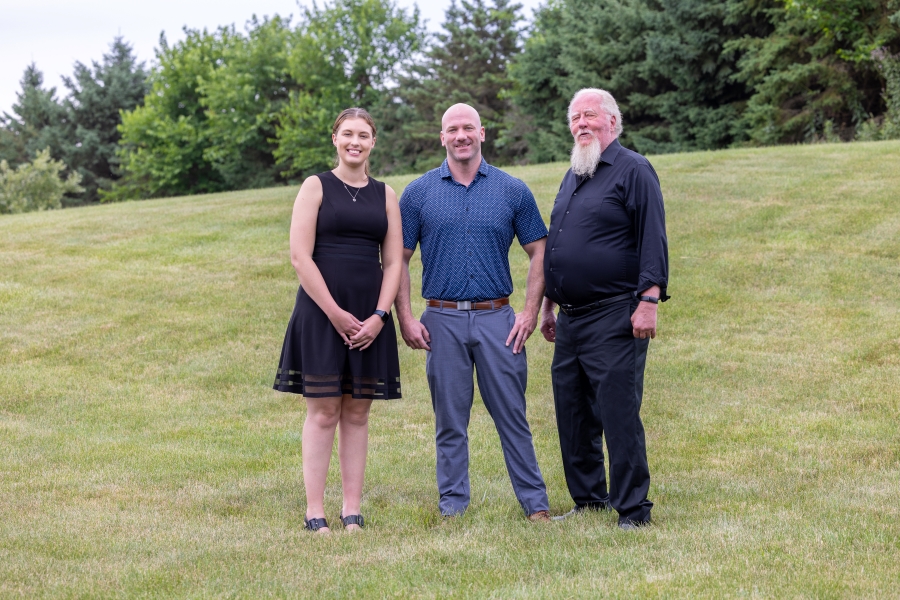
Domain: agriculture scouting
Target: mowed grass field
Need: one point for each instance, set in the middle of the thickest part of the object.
(144, 454)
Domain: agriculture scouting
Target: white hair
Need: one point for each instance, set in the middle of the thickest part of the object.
(607, 105)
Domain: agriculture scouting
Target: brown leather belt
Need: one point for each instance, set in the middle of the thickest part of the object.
(468, 305)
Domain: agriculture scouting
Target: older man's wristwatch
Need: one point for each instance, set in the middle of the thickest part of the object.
(652, 299)
(382, 315)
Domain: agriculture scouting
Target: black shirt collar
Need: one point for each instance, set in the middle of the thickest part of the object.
(612, 151)
(608, 156)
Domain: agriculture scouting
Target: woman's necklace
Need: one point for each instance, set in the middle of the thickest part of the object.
(352, 195)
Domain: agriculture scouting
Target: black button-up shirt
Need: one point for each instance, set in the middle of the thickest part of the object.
(607, 233)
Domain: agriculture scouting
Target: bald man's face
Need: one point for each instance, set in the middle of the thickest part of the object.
(462, 134)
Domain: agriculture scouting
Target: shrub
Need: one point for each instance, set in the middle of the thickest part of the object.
(36, 185)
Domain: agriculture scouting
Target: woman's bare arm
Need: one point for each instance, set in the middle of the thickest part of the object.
(303, 240)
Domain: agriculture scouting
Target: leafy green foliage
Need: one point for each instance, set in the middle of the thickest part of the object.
(468, 64)
(35, 185)
(243, 101)
(706, 74)
(232, 111)
(227, 110)
(164, 141)
(345, 54)
(855, 27)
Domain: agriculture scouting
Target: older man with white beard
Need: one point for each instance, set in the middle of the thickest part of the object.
(606, 266)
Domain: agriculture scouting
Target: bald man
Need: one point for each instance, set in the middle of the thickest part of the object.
(465, 214)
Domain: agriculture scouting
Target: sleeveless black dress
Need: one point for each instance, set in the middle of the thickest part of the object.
(315, 361)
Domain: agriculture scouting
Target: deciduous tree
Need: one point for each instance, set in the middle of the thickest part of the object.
(164, 141)
(346, 54)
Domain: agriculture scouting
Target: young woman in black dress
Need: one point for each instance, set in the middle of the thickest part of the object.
(340, 349)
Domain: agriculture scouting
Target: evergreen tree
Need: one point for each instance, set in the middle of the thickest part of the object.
(665, 61)
(815, 69)
(95, 100)
(541, 88)
(38, 122)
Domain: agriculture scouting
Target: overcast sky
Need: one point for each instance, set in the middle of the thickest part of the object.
(57, 33)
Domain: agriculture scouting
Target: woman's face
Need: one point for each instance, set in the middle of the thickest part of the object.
(354, 141)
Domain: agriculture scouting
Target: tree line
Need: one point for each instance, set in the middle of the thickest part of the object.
(228, 109)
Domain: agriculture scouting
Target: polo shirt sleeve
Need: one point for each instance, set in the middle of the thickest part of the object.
(527, 220)
(645, 203)
(410, 215)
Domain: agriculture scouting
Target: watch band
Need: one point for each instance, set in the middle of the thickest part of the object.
(652, 299)
(381, 314)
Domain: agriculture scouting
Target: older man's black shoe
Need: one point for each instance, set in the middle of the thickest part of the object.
(629, 525)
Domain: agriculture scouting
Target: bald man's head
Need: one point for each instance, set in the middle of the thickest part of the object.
(460, 111)
(462, 134)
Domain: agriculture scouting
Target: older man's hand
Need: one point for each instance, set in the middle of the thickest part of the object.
(548, 325)
(643, 321)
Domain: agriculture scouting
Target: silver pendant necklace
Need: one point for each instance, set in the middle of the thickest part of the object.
(352, 195)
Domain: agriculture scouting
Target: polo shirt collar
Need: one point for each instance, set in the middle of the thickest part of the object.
(445, 169)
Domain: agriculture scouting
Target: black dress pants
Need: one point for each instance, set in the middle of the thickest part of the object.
(598, 381)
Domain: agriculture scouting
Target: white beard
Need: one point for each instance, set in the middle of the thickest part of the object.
(586, 158)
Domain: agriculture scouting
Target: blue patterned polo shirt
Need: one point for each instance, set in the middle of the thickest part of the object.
(466, 233)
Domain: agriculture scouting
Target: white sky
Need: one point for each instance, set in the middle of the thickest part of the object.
(57, 33)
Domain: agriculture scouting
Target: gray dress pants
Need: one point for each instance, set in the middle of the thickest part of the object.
(461, 340)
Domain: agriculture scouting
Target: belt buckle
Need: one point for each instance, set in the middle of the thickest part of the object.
(464, 305)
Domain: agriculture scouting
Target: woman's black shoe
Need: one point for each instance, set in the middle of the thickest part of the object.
(314, 524)
(353, 520)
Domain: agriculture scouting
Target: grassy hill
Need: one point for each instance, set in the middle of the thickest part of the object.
(144, 454)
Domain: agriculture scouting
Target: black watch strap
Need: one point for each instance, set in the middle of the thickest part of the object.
(381, 314)
(652, 299)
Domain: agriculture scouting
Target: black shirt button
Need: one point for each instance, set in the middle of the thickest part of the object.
(567, 212)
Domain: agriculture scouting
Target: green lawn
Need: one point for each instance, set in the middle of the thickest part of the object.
(143, 452)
